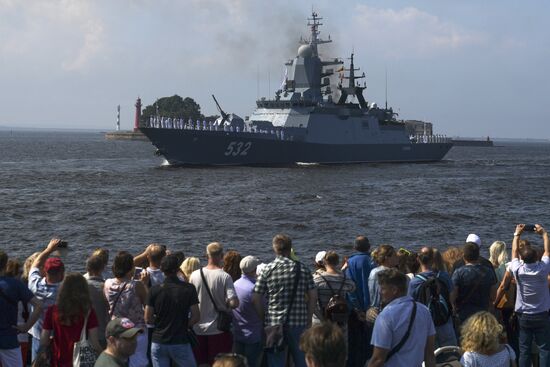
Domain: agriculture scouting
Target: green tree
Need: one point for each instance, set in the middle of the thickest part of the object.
(175, 107)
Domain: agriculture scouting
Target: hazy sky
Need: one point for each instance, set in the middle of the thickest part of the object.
(471, 67)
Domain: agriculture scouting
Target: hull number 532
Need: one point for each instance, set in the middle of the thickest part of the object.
(237, 148)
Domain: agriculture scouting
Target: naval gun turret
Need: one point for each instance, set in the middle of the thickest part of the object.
(227, 119)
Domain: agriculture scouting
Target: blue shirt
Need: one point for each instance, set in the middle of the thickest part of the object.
(532, 288)
(247, 325)
(374, 289)
(358, 270)
(13, 291)
(391, 325)
(45, 292)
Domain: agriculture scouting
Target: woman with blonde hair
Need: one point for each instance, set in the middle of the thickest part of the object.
(480, 341)
(189, 265)
(498, 257)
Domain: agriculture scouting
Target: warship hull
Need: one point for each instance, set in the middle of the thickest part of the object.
(182, 147)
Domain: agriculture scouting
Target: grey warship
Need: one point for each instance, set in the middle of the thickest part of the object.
(307, 121)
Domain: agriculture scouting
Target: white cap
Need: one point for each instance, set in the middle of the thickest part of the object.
(320, 257)
(474, 238)
(249, 264)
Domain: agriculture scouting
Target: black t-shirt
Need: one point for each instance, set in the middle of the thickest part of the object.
(482, 261)
(172, 301)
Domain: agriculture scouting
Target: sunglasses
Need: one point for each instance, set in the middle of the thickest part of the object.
(404, 250)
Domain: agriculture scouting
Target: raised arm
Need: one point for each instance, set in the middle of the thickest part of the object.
(141, 259)
(515, 242)
(544, 235)
(41, 258)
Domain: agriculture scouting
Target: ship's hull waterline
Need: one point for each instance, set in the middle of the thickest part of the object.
(183, 147)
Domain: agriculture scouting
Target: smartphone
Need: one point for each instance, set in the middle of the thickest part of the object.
(63, 244)
(529, 228)
(137, 274)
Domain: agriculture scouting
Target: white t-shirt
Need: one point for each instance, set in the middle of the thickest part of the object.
(499, 359)
(221, 287)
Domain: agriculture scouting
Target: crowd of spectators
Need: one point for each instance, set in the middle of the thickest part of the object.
(378, 306)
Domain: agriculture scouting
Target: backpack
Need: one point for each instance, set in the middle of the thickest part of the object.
(433, 293)
(336, 309)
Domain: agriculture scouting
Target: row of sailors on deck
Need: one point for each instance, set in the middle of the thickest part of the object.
(175, 123)
(429, 139)
(160, 122)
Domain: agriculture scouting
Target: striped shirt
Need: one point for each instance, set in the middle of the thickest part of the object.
(324, 293)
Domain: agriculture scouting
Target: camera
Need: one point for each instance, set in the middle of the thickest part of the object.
(529, 228)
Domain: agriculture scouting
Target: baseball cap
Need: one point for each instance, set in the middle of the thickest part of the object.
(474, 238)
(320, 257)
(121, 328)
(53, 264)
(249, 263)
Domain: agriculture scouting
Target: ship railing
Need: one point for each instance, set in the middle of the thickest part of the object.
(182, 124)
(429, 139)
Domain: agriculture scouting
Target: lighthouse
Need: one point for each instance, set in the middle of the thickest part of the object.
(138, 114)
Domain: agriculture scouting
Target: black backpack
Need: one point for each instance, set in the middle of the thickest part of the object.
(433, 293)
(336, 309)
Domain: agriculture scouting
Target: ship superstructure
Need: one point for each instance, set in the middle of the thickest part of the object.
(309, 120)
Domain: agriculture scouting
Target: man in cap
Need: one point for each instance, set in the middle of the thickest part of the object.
(168, 309)
(358, 269)
(212, 279)
(248, 326)
(121, 335)
(45, 287)
(473, 239)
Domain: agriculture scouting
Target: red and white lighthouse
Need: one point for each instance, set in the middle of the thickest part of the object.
(138, 114)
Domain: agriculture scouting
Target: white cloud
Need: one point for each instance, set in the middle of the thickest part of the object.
(63, 34)
(411, 32)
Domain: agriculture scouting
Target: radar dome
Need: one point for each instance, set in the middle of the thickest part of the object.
(305, 51)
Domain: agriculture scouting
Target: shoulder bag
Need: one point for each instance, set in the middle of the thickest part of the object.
(403, 340)
(84, 355)
(274, 334)
(224, 318)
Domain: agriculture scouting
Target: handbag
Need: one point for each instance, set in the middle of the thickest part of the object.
(84, 355)
(274, 334)
(225, 318)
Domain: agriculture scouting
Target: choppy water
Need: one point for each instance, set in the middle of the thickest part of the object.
(95, 192)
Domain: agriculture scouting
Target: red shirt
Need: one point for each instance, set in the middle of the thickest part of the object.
(65, 336)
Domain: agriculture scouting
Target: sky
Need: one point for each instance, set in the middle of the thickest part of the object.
(472, 68)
